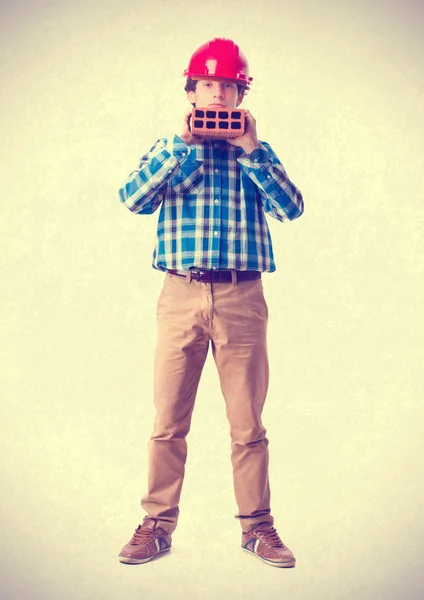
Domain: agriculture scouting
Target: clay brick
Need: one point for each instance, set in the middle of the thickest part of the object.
(217, 122)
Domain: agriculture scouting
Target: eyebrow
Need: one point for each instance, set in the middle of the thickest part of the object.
(214, 80)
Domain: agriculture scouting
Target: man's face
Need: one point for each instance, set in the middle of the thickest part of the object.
(218, 93)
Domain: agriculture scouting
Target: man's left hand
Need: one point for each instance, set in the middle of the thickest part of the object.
(249, 140)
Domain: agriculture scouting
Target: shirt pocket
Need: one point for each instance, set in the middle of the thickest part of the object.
(189, 178)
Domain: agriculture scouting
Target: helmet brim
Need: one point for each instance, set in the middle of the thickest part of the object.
(217, 78)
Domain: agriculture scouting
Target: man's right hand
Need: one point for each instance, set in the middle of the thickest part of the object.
(186, 134)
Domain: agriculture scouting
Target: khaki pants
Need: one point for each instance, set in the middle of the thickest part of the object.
(233, 318)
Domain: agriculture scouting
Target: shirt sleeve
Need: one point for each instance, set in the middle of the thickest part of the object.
(280, 197)
(145, 188)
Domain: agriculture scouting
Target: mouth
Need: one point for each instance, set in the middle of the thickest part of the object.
(222, 105)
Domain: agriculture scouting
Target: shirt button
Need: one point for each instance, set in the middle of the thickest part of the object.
(255, 160)
(268, 176)
(216, 201)
(183, 153)
(216, 170)
(216, 233)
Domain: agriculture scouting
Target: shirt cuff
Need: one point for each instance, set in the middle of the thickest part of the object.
(257, 158)
(177, 148)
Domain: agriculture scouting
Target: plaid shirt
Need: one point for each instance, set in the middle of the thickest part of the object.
(213, 200)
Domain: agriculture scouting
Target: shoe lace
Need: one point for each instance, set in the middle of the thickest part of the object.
(142, 536)
(270, 537)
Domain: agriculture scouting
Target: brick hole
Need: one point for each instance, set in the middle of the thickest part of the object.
(236, 115)
(223, 115)
(210, 124)
(199, 113)
(198, 124)
(235, 125)
(210, 114)
(223, 125)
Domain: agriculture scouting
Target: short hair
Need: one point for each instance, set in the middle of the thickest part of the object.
(190, 86)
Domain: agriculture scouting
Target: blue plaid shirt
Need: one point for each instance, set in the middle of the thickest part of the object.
(213, 199)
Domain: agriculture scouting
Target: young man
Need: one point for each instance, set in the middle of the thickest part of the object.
(213, 243)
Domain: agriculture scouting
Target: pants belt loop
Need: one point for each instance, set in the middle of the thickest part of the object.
(189, 276)
(233, 277)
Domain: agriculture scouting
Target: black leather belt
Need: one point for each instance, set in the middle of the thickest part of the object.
(216, 276)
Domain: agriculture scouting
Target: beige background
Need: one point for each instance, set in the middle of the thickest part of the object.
(86, 88)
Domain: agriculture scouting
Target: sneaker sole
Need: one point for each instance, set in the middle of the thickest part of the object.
(139, 561)
(285, 565)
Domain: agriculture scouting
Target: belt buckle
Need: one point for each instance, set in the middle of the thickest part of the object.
(197, 276)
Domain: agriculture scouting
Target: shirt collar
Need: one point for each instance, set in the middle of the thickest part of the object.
(198, 151)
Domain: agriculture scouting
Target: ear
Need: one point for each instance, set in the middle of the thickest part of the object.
(240, 98)
(191, 97)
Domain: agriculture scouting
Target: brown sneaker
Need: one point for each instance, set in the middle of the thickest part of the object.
(146, 543)
(264, 541)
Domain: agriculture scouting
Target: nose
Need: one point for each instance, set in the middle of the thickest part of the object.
(218, 91)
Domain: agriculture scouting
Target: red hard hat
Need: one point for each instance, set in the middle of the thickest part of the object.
(220, 59)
